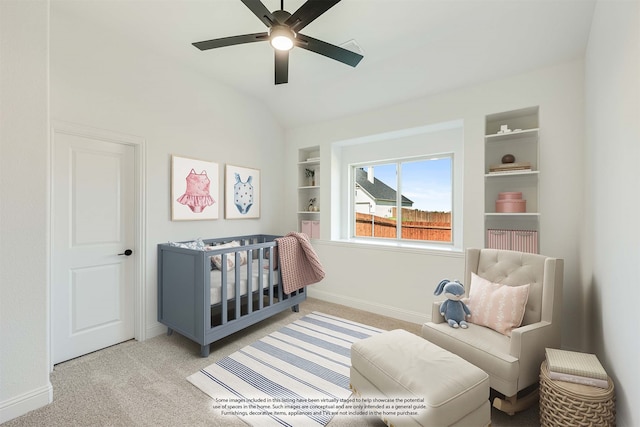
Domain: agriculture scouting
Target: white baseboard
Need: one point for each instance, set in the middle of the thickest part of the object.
(155, 329)
(385, 310)
(27, 402)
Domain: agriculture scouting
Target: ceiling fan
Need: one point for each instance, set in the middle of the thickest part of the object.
(283, 34)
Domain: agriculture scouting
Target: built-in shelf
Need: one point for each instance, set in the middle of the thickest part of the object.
(515, 214)
(308, 221)
(505, 174)
(523, 145)
(511, 135)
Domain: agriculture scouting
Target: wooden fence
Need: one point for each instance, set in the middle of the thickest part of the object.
(374, 226)
(440, 218)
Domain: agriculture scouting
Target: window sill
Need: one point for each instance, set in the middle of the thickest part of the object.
(396, 246)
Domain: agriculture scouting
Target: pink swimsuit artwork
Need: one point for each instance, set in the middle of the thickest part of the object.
(197, 196)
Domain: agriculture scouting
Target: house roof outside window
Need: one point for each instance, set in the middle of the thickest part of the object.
(380, 192)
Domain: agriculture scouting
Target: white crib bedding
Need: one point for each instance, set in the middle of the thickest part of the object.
(216, 279)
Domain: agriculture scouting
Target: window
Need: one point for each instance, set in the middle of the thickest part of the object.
(423, 165)
(403, 199)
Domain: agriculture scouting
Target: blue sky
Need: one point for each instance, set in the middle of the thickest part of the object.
(426, 182)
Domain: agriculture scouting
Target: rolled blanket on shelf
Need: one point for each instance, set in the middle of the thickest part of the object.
(299, 262)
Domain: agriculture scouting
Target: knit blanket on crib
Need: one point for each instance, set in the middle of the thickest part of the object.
(299, 262)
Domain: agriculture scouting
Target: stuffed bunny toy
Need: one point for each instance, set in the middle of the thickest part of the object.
(453, 309)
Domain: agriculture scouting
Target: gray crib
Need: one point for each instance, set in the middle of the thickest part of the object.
(205, 304)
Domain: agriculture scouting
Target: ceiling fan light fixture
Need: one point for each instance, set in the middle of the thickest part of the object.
(281, 38)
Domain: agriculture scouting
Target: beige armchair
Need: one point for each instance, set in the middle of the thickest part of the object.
(513, 363)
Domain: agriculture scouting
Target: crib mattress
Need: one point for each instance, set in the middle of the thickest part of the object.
(216, 281)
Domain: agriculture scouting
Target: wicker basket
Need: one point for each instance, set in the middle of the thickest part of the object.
(567, 404)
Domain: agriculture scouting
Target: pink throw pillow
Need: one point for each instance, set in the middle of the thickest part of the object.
(496, 306)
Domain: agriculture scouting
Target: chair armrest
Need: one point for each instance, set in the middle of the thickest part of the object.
(436, 317)
(528, 344)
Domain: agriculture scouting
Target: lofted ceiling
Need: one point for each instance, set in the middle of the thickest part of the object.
(411, 48)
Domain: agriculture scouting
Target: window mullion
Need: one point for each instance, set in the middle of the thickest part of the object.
(399, 201)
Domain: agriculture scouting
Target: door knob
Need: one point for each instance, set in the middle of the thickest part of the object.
(126, 252)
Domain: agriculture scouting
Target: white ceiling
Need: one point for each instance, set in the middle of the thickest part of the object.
(412, 48)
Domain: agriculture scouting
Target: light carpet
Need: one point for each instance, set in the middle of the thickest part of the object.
(298, 375)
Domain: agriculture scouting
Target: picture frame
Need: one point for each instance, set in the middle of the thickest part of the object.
(195, 187)
(242, 192)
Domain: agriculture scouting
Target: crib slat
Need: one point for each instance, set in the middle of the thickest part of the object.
(271, 254)
(223, 290)
(260, 278)
(238, 294)
(280, 289)
(250, 282)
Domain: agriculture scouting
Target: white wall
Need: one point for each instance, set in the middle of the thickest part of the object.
(24, 142)
(400, 282)
(103, 81)
(611, 249)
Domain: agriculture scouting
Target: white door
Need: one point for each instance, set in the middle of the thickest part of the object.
(93, 216)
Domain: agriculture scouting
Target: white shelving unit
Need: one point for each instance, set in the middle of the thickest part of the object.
(309, 191)
(518, 231)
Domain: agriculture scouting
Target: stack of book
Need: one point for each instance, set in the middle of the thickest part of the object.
(574, 367)
(510, 167)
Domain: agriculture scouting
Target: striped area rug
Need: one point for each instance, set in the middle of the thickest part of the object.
(296, 376)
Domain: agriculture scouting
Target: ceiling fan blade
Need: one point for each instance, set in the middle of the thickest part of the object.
(282, 66)
(260, 11)
(329, 50)
(309, 12)
(230, 41)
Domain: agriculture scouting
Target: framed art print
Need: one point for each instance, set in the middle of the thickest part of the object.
(194, 189)
(241, 192)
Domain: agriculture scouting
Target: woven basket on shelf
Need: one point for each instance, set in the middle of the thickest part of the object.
(567, 404)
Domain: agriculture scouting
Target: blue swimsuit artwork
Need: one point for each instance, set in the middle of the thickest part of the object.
(243, 194)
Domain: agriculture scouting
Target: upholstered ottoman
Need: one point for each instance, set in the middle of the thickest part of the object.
(408, 381)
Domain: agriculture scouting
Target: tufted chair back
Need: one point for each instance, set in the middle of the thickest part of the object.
(519, 268)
